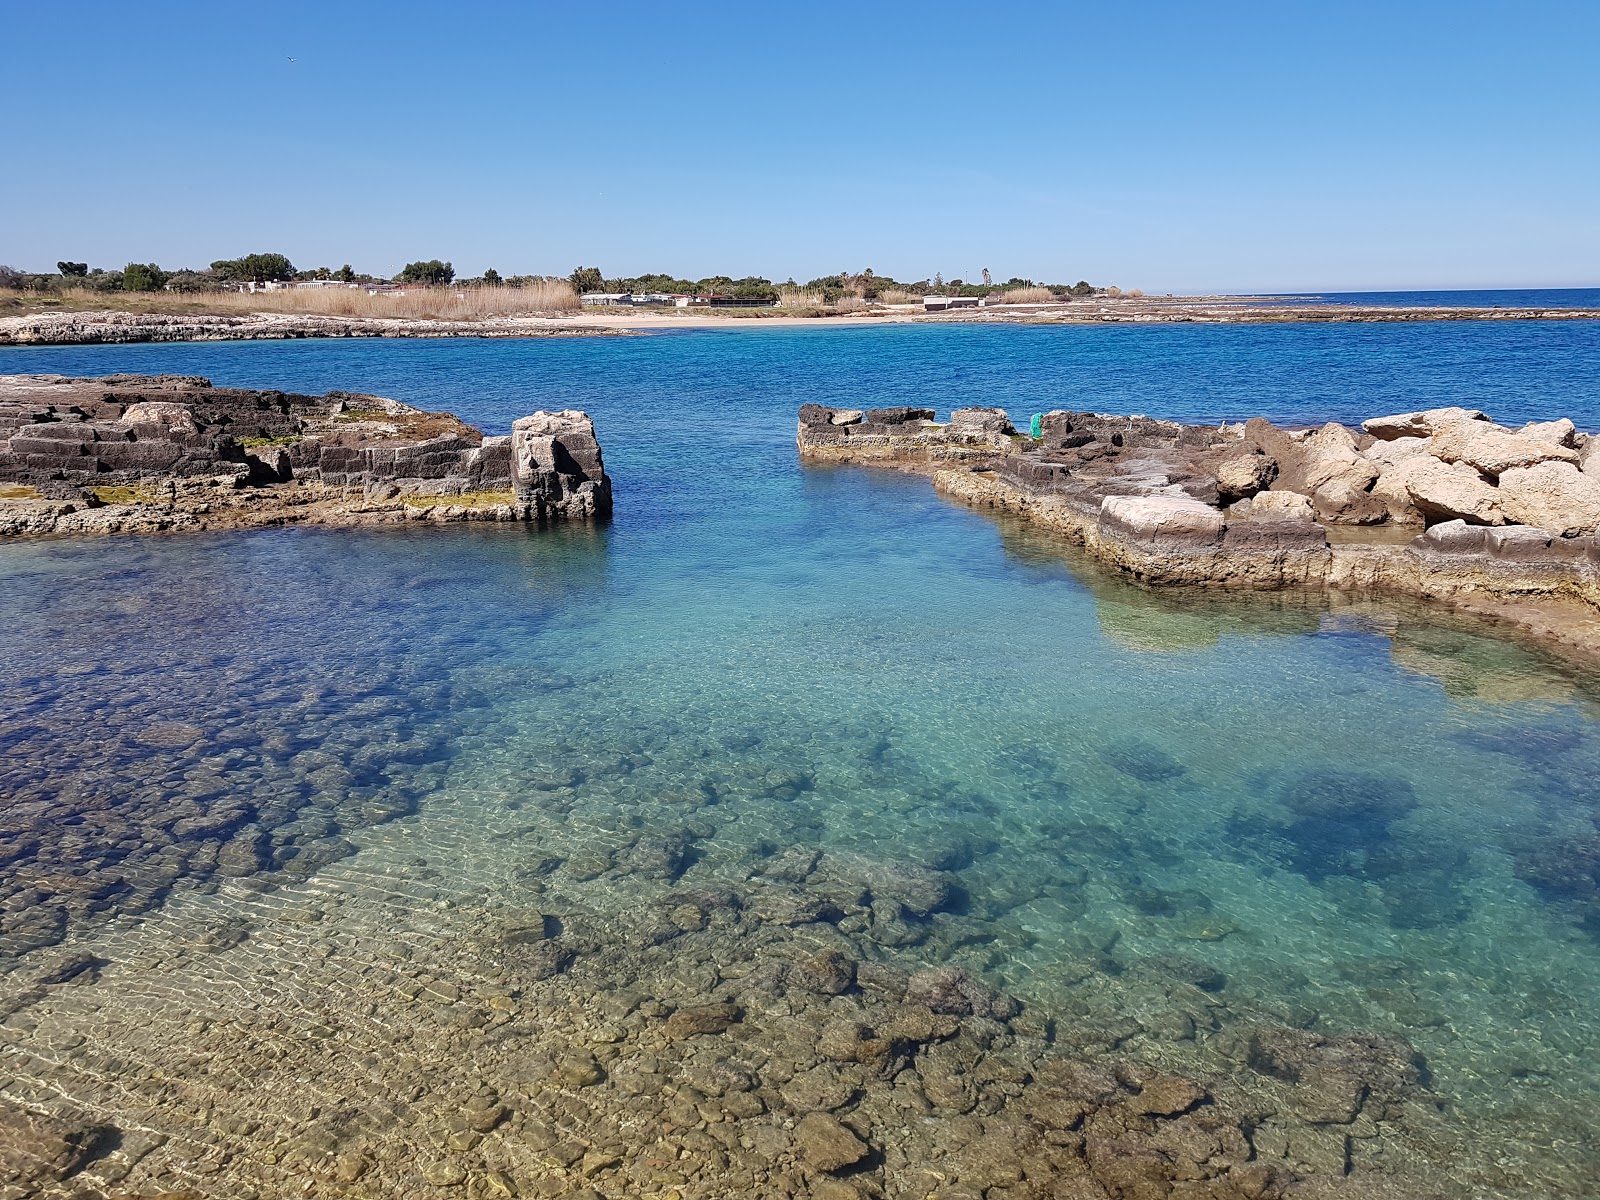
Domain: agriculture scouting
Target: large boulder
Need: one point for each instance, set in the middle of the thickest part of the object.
(1245, 475)
(899, 415)
(1391, 490)
(981, 421)
(556, 464)
(161, 418)
(1493, 450)
(1552, 495)
(1562, 432)
(1441, 491)
(1161, 518)
(1419, 424)
(1325, 465)
(1396, 450)
(1281, 506)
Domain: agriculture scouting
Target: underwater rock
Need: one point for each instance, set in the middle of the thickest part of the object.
(1343, 828)
(954, 991)
(827, 1144)
(1168, 1096)
(1362, 799)
(1534, 744)
(1385, 1067)
(1564, 868)
(701, 1019)
(37, 1149)
(919, 890)
(1142, 761)
(829, 973)
(661, 855)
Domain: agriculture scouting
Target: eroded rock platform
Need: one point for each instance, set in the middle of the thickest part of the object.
(135, 453)
(1443, 504)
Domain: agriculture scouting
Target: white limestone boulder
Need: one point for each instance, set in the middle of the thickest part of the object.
(1425, 423)
(1552, 495)
(1442, 491)
(1494, 450)
(1161, 518)
(1562, 432)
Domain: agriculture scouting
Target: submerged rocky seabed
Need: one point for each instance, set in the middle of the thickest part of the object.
(315, 881)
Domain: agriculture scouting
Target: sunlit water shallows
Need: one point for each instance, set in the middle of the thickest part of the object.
(1161, 819)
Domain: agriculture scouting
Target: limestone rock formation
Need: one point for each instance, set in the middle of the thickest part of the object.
(556, 464)
(1505, 514)
(1151, 518)
(1552, 495)
(133, 452)
(1493, 450)
(1245, 475)
(1422, 424)
(1444, 492)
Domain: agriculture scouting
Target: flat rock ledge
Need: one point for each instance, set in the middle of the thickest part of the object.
(1443, 504)
(140, 453)
(116, 328)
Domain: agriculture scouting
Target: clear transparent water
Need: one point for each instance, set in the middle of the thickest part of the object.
(1365, 815)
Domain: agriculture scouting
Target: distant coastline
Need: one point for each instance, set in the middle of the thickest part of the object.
(58, 328)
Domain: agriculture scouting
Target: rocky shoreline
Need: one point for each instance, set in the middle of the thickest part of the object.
(1443, 504)
(117, 328)
(112, 327)
(139, 453)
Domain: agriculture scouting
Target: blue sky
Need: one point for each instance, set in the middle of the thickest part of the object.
(1170, 146)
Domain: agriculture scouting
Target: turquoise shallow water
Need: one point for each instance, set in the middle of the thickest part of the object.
(1358, 815)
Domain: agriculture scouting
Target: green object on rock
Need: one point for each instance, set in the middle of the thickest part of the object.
(1035, 426)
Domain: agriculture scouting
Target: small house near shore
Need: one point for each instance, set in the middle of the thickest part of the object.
(713, 300)
(942, 303)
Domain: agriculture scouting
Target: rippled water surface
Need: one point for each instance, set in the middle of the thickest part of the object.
(1336, 815)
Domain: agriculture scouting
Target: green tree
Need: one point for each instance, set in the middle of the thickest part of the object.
(255, 268)
(587, 279)
(431, 272)
(491, 277)
(345, 274)
(73, 270)
(1082, 288)
(143, 277)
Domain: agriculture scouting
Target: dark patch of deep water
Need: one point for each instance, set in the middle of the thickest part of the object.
(1359, 812)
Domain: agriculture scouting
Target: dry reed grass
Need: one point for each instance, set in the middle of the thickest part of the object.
(799, 297)
(1026, 295)
(432, 303)
(435, 303)
(898, 296)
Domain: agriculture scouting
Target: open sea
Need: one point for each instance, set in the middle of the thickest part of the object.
(1464, 298)
(265, 796)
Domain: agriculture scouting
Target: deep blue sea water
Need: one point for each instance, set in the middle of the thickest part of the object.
(1467, 298)
(1359, 810)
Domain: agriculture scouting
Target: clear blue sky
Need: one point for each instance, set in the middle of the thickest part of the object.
(1171, 146)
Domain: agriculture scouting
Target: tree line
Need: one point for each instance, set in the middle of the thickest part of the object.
(264, 268)
(866, 284)
(232, 272)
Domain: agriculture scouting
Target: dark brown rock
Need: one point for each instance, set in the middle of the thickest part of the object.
(826, 1144)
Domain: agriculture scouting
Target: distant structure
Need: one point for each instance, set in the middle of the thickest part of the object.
(941, 303)
(988, 281)
(713, 300)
